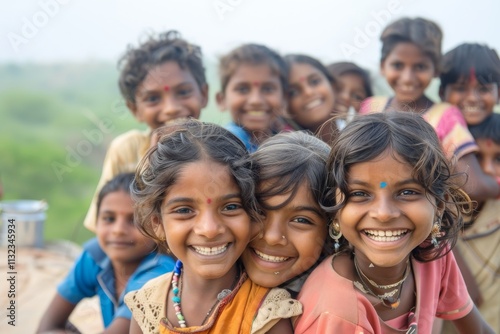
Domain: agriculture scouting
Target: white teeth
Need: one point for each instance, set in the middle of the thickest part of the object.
(314, 104)
(471, 109)
(210, 250)
(270, 258)
(257, 113)
(407, 88)
(379, 235)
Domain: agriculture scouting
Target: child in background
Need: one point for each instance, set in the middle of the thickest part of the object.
(411, 57)
(352, 86)
(162, 80)
(470, 80)
(119, 260)
(398, 214)
(195, 195)
(291, 191)
(311, 95)
(253, 85)
(479, 244)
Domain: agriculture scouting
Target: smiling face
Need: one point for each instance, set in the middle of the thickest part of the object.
(408, 71)
(116, 233)
(387, 213)
(475, 100)
(350, 93)
(168, 93)
(303, 224)
(311, 96)
(204, 221)
(254, 97)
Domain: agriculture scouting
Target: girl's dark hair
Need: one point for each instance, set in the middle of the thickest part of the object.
(136, 63)
(412, 139)
(305, 59)
(182, 144)
(120, 182)
(284, 163)
(253, 54)
(467, 59)
(425, 34)
(487, 129)
(336, 70)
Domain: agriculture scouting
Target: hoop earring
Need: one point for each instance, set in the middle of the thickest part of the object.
(436, 232)
(335, 234)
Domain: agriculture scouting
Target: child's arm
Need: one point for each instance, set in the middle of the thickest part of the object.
(56, 315)
(118, 326)
(473, 323)
(282, 326)
(479, 186)
(134, 327)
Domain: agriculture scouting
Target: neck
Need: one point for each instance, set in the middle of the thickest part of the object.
(420, 105)
(208, 287)
(381, 275)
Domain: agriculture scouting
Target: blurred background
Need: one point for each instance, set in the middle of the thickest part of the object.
(59, 102)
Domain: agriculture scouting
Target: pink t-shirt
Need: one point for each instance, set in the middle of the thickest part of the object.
(331, 303)
(446, 119)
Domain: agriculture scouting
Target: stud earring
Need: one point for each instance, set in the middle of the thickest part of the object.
(283, 237)
(335, 234)
(436, 232)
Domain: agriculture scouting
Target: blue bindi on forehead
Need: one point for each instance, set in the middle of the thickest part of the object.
(383, 184)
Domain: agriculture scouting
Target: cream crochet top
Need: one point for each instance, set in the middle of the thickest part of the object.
(148, 306)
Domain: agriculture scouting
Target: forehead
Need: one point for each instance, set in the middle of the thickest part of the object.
(387, 167)
(254, 73)
(407, 51)
(487, 145)
(168, 73)
(299, 70)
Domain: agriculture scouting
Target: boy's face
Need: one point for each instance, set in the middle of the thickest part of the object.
(489, 156)
(168, 93)
(475, 100)
(254, 96)
(116, 233)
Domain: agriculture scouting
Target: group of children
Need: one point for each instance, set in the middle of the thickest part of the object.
(353, 230)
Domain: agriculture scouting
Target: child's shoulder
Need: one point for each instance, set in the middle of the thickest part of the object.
(130, 137)
(374, 104)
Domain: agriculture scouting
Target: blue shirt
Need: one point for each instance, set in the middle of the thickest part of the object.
(93, 275)
(243, 135)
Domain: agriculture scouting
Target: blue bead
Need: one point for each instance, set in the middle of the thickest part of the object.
(176, 299)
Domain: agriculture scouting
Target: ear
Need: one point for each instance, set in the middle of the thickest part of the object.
(221, 101)
(204, 95)
(158, 228)
(132, 106)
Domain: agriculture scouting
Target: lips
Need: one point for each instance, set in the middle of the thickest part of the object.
(210, 251)
(270, 258)
(313, 104)
(119, 243)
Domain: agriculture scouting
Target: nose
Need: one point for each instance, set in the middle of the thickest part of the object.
(384, 209)
(171, 108)
(273, 231)
(344, 97)
(472, 95)
(209, 226)
(255, 99)
(120, 225)
(407, 76)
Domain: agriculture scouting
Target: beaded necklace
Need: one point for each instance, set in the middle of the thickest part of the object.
(177, 291)
(388, 299)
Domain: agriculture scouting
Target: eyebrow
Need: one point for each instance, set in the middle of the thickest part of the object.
(147, 91)
(309, 208)
(191, 200)
(366, 184)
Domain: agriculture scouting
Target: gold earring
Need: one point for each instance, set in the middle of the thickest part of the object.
(335, 234)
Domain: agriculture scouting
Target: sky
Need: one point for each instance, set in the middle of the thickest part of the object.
(50, 31)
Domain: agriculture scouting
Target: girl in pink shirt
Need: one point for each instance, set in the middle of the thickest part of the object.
(397, 216)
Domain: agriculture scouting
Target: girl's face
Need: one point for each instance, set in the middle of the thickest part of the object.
(311, 96)
(116, 233)
(292, 240)
(254, 96)
(387, 213)
(204, 221)
(168, 93)
(350, 93)
(475, 100)
(408, 71)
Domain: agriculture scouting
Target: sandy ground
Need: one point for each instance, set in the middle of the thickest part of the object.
(35, 274)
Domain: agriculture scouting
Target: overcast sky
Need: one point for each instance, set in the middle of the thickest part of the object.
(79, 30)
